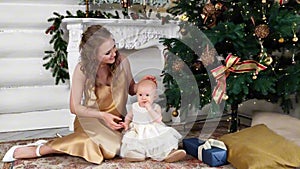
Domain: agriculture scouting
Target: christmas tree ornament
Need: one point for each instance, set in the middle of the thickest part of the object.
(293, 59)
(177, 65)
(294, 27)
(175, 113)
(281, 2)
(183, 31)
(219, 6)
(295, 38)
(197, 65)
(281, 40)
(225, 97)
(209, 11)
(208, 56)
(183, 17)
(262, 31)
(298, 1)
(268, 60)
(264, 18)
(232, 64)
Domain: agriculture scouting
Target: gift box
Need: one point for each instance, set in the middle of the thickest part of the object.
(190, 145)
(212, 156)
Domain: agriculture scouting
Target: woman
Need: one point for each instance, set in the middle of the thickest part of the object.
(101, 83)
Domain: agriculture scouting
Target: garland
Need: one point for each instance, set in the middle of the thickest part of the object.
(56, 59)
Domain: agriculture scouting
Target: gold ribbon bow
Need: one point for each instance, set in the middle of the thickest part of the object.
(232, 64)
(208, 145)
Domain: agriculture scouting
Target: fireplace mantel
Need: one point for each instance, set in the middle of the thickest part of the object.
(128, 33)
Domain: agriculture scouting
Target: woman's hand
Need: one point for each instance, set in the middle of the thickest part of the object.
(110, 121)
(125, 125)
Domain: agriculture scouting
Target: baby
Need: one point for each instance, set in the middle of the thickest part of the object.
(146, 136)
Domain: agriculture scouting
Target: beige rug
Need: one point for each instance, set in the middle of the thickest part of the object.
(70, 162)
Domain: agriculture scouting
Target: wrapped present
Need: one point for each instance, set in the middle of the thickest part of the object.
(211, 152)
(190, 145)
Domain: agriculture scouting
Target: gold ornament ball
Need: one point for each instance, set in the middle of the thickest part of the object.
(225, 97)
(298, 1)
(281, 40)
(268, 60)
(184, 17)
(183, 32)
(295, 39)
(219, 6)
(175, 113)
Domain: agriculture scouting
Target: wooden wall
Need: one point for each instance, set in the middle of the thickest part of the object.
(29, 99)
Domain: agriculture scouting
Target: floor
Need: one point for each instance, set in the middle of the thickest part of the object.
(31, 134)
(55, 132)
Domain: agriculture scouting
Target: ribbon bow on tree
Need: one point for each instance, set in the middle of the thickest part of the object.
(232, 64)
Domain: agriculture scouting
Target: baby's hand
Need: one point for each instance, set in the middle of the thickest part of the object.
(148, 106)
(125, 125)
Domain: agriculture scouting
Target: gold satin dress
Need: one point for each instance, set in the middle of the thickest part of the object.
(92, 139)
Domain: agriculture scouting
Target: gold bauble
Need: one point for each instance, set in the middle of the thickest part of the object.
(268, 60)
(183, 31)
(295, 39)
(219, 6)
(281, 40)
(175, 113)
(183, 17)
(225, 97)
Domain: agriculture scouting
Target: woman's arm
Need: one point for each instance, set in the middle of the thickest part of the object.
(76, 94)
(77, 89)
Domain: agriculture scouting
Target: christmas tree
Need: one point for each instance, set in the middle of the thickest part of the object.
(248, 49)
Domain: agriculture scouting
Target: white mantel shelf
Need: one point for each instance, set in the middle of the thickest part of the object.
(128, 34)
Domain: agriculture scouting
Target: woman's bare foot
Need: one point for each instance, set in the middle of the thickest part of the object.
(175, 155)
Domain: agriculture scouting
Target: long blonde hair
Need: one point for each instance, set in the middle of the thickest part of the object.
(92, 38)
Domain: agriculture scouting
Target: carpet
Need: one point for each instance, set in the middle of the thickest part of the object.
(70, 162)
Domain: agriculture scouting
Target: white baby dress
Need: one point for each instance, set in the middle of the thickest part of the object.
(147, 138)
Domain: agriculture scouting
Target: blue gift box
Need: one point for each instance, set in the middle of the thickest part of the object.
(213, 157)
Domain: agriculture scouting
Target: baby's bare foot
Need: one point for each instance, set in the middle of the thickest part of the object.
(175, 155)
